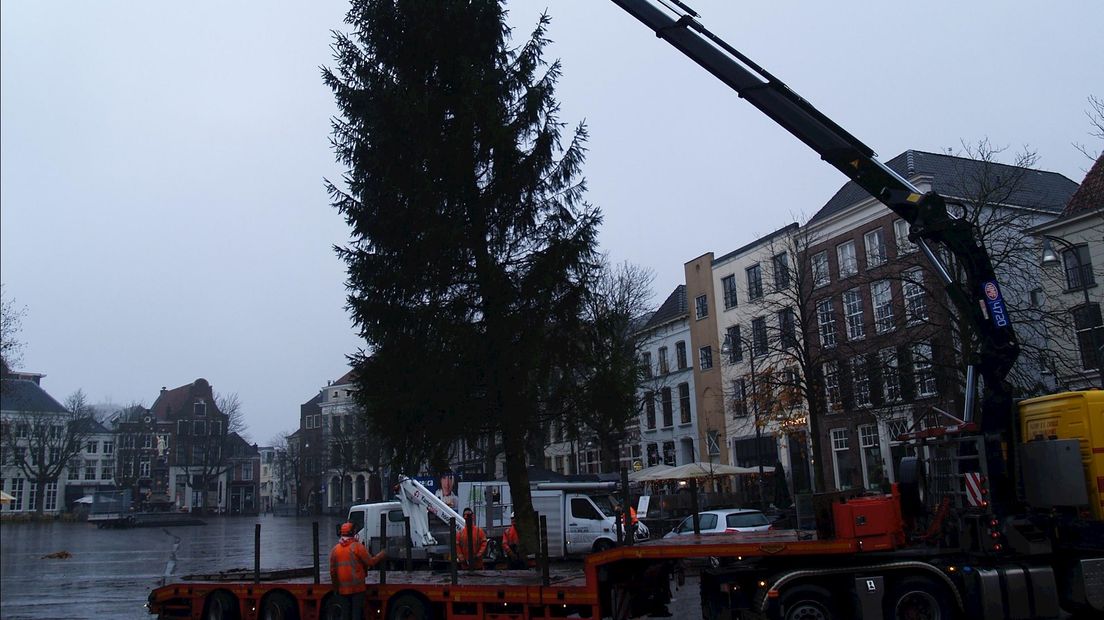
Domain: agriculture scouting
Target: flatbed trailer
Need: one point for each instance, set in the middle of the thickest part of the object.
(620, 583)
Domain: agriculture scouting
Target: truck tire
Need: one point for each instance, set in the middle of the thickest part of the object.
(221, 605)
(408, 607)
(913, 488)
(333, 608)
(602, 544)
(808, 602)
(280, 606)
(918, 597)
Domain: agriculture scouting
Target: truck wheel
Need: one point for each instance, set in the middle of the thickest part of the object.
(918, 598)
(280, 606)
(603, 544)
(333, 608)
(407, 607)
(221, 605)
(807, 602)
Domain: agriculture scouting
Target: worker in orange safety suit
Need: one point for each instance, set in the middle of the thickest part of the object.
(510, 542)
(349, 564)
(478, 539)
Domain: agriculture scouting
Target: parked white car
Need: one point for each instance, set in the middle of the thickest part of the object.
(722, 521)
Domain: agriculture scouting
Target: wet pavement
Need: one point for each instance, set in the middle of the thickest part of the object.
(109, 573)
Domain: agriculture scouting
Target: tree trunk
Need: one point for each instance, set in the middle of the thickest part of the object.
(40, 497)
(517, 474)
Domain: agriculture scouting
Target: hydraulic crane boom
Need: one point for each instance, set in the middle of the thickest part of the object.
(977, 298)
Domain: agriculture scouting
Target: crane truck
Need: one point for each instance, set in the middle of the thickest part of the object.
(997, 515)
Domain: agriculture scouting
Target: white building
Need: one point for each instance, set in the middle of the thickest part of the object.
(669, 421)
(757, 325)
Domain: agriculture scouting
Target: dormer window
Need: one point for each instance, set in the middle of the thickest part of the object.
(199, 408)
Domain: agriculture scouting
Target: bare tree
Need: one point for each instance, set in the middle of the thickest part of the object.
(597, 396)
(203, 454)
(289, 463)
(999, 201)
(11, 324)
(1095, 114)
(231, 406)
(40, 440)
(130, 427)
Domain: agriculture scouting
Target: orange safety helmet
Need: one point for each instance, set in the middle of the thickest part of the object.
(347, 529)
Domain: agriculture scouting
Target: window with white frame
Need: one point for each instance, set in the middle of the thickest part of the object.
(663, 367)
(32, 493)
(105, 470)
(701, 306)
(853, 314)
(754, 281)
(826, 323)
(1087, 324)
(54, 454)
(901, 232)
(734, 343)
(821, 275)
(1078, 267)
(646, 362)
(881, 297)
(92, 447)
(787, 328)
(781, 265)
(728, 286)
(739, 398)
(922, 371)
(51, 496)
(842, 460)
(684, 403)
(832, 385)
(649, 410)
(871, 455)
(845, 257)
(916, 307)
(705, 357)
(891, 376)
(680, 355)
(17, 494)
(108, 448)
(90, 470)
(759, 341)
(668, 407)
(144, 468)
(247, 471)
(875, 248)
(73, 467)
(860, 381)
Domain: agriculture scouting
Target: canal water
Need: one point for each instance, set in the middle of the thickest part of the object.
(109, 573)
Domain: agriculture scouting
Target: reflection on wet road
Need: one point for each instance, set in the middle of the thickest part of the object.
(111, 572)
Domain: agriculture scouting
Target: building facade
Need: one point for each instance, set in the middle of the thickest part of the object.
(885, 335)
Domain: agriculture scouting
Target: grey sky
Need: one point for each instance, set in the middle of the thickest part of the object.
(161, 165)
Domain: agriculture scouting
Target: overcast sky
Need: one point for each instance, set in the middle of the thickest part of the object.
(161, 164)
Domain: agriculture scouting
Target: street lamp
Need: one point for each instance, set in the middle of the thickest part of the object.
(726, 350)
(1051, 258)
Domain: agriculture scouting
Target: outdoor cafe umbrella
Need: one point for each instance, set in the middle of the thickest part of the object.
(655, 472)
(5, 498)
(706, 470)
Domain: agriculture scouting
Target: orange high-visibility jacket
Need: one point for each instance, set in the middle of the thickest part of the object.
(349, 564)
(510, 537)
(479, 543)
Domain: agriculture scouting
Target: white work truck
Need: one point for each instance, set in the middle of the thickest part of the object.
(579, 517)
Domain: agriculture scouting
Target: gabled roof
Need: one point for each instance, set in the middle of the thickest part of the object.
(247, 449)
(955, 176)
(171, 404)
(27, 396)
(1090, 196)
(89, 426)
(346, 378)
(673, 307)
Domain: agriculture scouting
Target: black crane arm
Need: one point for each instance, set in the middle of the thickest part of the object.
(977, 298)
